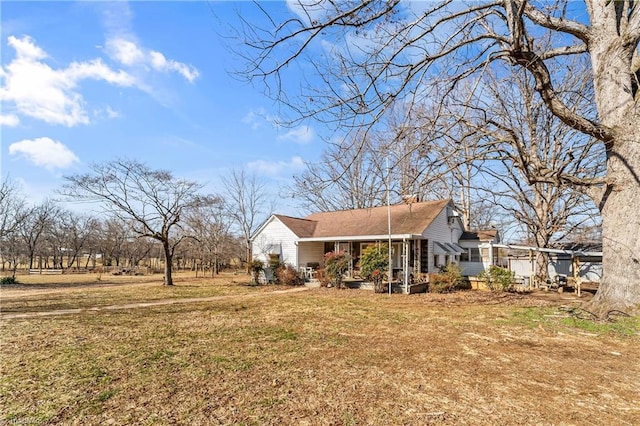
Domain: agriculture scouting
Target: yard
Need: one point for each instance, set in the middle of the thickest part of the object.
(321, 356)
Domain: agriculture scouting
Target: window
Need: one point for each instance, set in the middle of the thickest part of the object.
(475, 255)
(464, 257)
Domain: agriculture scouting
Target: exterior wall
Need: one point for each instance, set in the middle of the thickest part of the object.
(468, 244)
(310, 252)
(275, 237)
(442, 232)
(471, 269)
(589, 271)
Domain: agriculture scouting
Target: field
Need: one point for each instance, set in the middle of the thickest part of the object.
(225, 352)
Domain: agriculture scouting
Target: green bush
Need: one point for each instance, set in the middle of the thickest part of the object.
(497, 278)
(8, 280)
(374, 263)
(287, 275)
(449, 279)
(336, 263)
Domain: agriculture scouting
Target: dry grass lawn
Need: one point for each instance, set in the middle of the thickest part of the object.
(319, 357)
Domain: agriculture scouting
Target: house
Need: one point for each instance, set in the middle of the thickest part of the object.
(480, 251)
(423, 235)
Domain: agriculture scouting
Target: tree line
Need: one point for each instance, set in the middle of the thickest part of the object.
(136, 216)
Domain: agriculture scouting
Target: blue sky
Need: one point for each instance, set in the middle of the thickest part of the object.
(85, 82)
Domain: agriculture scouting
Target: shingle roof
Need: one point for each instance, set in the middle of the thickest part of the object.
(405, 219)
(303, 228)
(483, 235)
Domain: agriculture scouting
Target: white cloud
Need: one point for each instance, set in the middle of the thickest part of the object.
(52, 95)
(160, 63)
(48, 94)
(127, 52)
(252, 119)
(275, 168)
(44, 152)
(301, 135)
(106, 113)
(26, 49)
(111, 113)
(256, 118)
(124, 51)
(9, 120)
(309, 10)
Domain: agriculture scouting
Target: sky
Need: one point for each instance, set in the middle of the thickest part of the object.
(88, 82)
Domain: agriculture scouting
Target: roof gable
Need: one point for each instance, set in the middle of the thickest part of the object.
(303, 228)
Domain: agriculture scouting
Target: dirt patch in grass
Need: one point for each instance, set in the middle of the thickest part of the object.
(325, 357)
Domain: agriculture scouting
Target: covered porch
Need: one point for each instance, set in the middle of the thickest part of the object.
(411, 257)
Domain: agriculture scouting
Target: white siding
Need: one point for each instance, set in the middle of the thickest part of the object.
(471, 269)
(440, 231)
(589, 271)
(469, 244)
(275, 237)
(310, 252)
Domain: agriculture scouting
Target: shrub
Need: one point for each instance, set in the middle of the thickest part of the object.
(257, 266)
(323, 278)
(497, 278)
(275, 265)
(336, 263)
(8, 280)
(449, 279)
(374, 261)
(287, 275)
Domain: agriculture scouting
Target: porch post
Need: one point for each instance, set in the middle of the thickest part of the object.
(532, 271)
(576, 274)
(405, 264)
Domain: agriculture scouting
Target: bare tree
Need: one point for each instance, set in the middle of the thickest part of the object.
(13, 212)
(385, 52)
(411, 158)
(349, 175)
(520, 140)
(114, 234)
(153, 201)
(211, 224)
(78, 229)
(13, 209)
(247, 204)
(35, 226)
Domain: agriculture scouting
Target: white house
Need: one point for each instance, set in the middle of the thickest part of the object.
(480, 251)
(424, 236)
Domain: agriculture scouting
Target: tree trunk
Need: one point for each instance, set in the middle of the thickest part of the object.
(620, 286)
(168, 259)
(611, 57)
(542, 238)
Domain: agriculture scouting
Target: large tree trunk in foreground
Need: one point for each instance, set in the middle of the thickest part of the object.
(612, 47)
(620, 286)
(619, 109)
